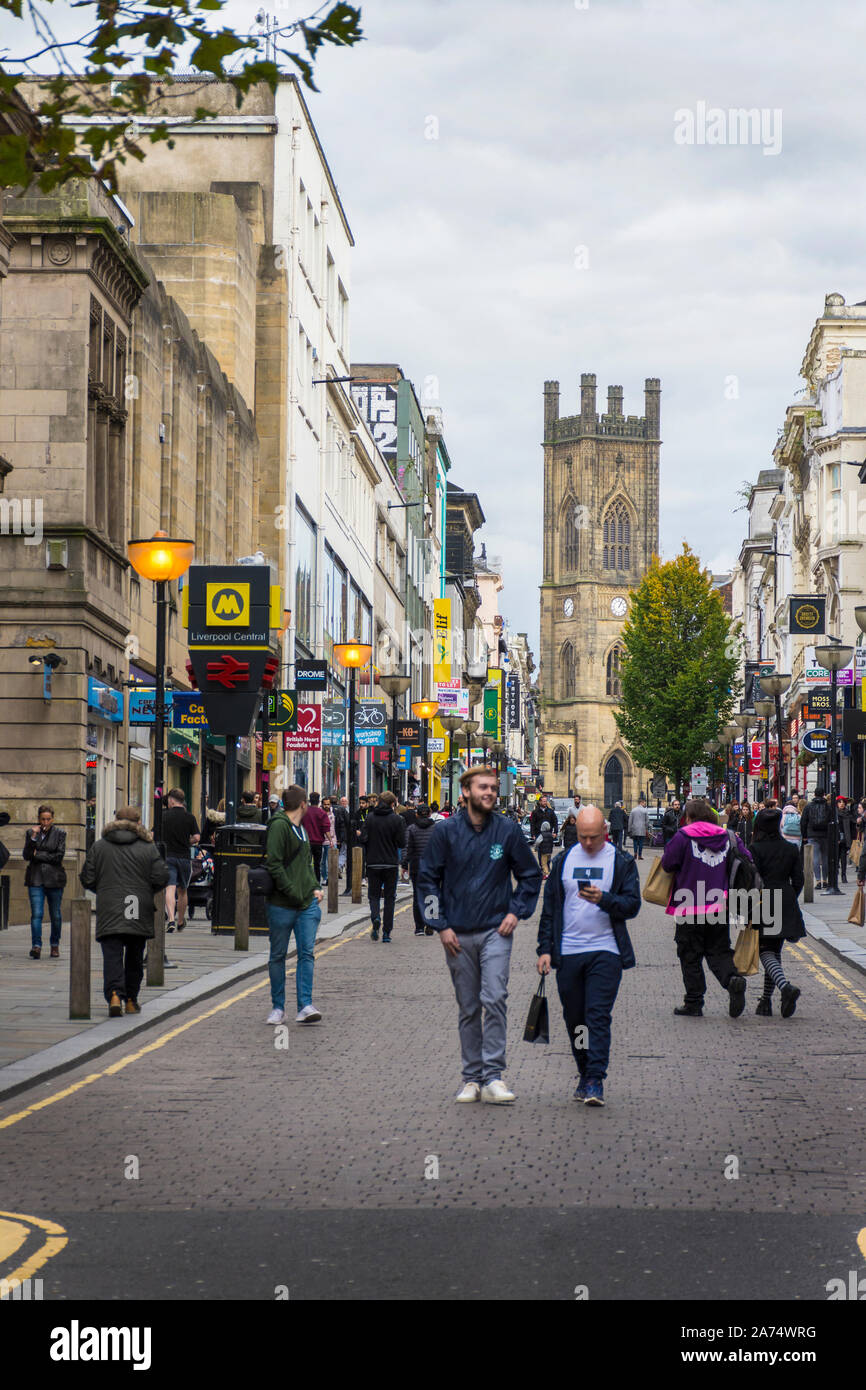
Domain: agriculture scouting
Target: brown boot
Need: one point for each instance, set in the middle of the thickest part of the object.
(115, 1008)
(133, 1006)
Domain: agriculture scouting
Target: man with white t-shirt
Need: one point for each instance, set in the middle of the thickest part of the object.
(592, 889)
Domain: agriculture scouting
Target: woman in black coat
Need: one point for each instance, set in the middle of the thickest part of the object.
(569, 831)
(778, 863)
(417, 835)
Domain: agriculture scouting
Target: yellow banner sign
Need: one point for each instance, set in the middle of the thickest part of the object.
(441, 640)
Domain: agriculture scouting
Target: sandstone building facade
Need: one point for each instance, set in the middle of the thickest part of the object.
(601, 530)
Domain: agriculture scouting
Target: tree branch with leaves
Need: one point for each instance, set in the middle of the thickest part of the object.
(122, 70)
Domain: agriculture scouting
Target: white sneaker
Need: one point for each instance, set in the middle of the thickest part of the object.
(276, 1016)
(497, 1093)
(309, 1014)
(471, 1091)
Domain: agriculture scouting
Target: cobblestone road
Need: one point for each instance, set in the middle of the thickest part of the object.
(252, 1158)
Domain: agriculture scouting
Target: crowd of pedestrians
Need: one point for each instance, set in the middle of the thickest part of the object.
(474, 877)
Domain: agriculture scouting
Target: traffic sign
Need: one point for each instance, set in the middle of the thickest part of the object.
(659, 786)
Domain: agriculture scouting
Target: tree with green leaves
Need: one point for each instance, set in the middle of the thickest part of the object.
(121, 70)
(679, 667)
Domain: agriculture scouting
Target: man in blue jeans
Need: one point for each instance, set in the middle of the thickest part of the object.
(464, 886)
(592, 889)
(292, 906)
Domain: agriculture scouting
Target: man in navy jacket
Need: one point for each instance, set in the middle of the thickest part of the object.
(592, 889)
(465, 889)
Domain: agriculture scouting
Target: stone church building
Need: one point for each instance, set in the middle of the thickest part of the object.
(601, 530)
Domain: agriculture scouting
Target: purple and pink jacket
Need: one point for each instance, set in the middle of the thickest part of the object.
(697, 857)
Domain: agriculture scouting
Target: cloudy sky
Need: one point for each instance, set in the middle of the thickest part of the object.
(707, 263)
(557, 225)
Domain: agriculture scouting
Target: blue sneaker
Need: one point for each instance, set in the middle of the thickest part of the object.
(594, 1093)
(580, 1093)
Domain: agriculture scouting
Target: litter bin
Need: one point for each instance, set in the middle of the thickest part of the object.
(233, 845)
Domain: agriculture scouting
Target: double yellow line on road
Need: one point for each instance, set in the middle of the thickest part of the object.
(853, 999)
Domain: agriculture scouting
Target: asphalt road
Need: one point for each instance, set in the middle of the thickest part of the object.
(339, 1167)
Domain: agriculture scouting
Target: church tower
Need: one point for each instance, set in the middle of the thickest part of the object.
(601, 530)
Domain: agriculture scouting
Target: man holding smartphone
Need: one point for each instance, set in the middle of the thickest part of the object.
(593, 888)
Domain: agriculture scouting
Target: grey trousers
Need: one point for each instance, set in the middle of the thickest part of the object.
(480, 976)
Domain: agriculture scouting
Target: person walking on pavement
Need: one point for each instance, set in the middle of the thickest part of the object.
(845, 827)
(248, 814)
(569, 831)
(179, 832)
(671, 821)
(417, 835)
(744, 829)
(778, 863)
(697, 856)
(45, 879)
(317, 825)
(815, 826)
(383, 834)
(465, 887)
(356, 825)
(543, 845)
(733, 817)
(330, 837)
(592, 890)
(638, 827)
(292, 906)
(342, 827)
(409, 815)
(616, 823)
(790, 826)
(543, 811)
(124, 869)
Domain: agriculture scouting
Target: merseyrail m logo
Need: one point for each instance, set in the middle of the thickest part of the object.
(227, 605)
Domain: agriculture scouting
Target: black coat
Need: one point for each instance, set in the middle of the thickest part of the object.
(383, 832)
(671, 824)
(123, 869)
(539, 816)
(616, 820)
(569, 834)
(778, 862)
(46, 851)
(342, 821)
(418, 834)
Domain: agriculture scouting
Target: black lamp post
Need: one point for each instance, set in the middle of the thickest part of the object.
(776, 685)
(393, 685)
(160, 559)
(425, 710)
(833, 657)
(764, 708)
(352, 655)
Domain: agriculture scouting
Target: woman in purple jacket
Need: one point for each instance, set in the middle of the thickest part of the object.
(697, 856)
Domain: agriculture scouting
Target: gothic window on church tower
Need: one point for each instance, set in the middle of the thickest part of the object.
(569, 548)
(559, 759)
(567, 672)
(616, 538)
(614, 686)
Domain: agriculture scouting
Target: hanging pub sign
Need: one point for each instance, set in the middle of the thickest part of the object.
(409, 733)
(512, 702)
(806, 614)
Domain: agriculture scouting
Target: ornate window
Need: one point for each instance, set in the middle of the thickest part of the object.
(614, 686)
(559, 757)
(616, 537)
(569, 547)
(567, 672)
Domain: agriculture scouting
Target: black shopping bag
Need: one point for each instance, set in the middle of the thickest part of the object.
(537, 1027)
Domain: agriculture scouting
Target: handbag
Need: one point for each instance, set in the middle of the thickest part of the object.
(747, 952)
(854, 852)
(659, 885)
(537, 1025)
(857, 915)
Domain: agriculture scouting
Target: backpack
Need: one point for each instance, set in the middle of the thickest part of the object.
(742, 872)
(819, 817)
(791, 823)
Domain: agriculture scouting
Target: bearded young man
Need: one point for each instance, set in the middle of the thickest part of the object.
(466, 894)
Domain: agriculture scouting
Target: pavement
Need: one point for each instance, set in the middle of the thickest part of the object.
(224, 1159)
(38, 1039)
(826, 920)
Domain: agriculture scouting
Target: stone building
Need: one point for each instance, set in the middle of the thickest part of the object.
(115, 419)
(601, 528)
